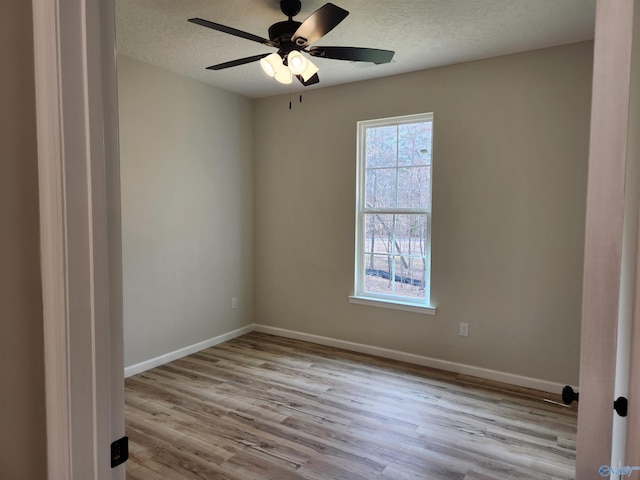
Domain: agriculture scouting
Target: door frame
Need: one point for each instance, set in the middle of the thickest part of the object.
(80, 240)
(608, 289)
(632, 454)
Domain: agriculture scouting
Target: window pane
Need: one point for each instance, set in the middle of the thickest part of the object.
(409, 277)
(378, 235)
(377, 278)
(414, 144)
(382, 147)
(414, 187)
(411, 235)
(381, 188)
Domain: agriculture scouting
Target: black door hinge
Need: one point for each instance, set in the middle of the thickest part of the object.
(621, 405)
(119, 451)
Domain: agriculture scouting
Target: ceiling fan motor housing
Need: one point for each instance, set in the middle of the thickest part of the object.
(282, 32)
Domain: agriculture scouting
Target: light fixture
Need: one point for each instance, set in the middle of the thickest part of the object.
(309, 72)
(283, 75)
(297, 64)
(271, 64)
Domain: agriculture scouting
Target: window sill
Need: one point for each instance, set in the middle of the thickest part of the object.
(396, 305)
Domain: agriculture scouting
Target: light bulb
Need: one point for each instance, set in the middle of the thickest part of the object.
(297, 63)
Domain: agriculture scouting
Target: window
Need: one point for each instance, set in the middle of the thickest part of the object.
(393, 212)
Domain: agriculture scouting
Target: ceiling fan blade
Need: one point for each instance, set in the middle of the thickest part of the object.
(312, 80)
(231, 31)
(354, 54)
(235, 63)
(318, 24)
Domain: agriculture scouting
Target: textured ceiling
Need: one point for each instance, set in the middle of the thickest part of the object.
(423, 33)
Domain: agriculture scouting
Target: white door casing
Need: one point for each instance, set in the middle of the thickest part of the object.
(608, 285)
(632, 454)
(74, 51)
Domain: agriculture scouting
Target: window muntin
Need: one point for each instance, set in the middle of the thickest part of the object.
(393, 230)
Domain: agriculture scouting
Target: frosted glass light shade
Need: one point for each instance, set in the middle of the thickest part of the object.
(309, 71)
(284, 75)
(300, 65)
(297, 63)
(271, 64)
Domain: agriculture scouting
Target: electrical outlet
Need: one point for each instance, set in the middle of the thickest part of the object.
(464, 329)
(234, 302)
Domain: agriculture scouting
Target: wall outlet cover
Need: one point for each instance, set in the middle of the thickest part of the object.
(464, 329)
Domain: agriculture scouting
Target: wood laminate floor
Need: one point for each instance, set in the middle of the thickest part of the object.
(265, 407)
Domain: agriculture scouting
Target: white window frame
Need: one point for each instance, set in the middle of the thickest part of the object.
(417, 305)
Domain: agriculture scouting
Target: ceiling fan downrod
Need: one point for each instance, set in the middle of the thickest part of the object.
(290, 7)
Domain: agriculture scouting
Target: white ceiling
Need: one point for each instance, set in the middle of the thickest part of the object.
(423, 33)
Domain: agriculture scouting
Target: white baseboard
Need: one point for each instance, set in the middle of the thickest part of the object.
(485, 373)
(495, 375)
(183, 352)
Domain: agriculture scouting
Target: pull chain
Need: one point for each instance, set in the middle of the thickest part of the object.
(291, 103)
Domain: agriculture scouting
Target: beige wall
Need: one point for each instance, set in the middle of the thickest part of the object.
(510, 159)
(22, 400)
(187, 210)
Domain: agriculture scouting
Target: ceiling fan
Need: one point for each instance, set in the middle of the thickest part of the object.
(291, 38)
